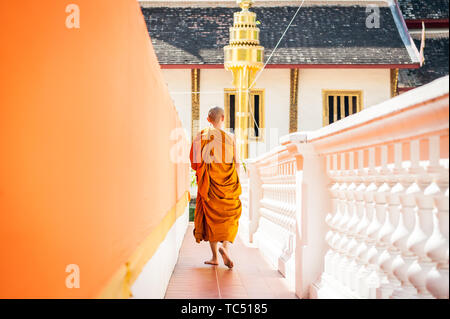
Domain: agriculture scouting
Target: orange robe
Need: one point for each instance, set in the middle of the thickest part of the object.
(218, 206)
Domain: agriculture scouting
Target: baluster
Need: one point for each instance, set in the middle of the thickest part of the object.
(438, 279)
(423, 229)
(361, 226)
(329, 235)
(337, 216)
(328, 219)
(437, 247)
(331, 218)
(330, 215)
(391, 223)
(406, 225)
(377, 246)
(366, 252)
(354, 220)
(343, 223)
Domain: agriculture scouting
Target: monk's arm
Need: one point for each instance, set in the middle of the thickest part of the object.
(191, 157)
(235, 156)
(195, 153)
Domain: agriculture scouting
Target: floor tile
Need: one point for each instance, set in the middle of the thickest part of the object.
(252, 277)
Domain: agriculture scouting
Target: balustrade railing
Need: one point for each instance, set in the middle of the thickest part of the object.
(277, 207)
(244, 220)
(359, 209)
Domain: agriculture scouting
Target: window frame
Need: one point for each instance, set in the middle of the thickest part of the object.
(342, 93)
(262, 109)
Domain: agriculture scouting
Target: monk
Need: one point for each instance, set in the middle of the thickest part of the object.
(218, 209)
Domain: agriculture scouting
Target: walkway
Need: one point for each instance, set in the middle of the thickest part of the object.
(252, 277)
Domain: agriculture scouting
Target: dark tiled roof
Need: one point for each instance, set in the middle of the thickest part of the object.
(436, 64)
(424, 9)
(319, 35)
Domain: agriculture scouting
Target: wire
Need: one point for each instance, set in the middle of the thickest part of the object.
(270, 57)
(259, 73)
(279, 42)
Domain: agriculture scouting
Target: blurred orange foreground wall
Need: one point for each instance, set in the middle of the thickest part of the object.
(85, 171)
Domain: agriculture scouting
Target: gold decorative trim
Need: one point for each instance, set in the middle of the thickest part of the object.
(394, 82)
(228, 93)
(195, 108)
(293, 109)
(341, 93)
(119, 286)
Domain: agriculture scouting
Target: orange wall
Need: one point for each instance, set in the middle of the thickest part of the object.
(85, 119)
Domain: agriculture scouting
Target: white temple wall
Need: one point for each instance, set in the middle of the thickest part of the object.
(276, 83)
(179, 83)
(212, 85)
(374, 83)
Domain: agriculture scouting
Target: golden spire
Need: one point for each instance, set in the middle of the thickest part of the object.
(245, 4)
(244, 57)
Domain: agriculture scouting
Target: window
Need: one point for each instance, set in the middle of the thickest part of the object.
(256, 123)
(340, 104)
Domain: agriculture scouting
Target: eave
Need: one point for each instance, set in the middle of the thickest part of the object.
(299, 66)
(429, 23)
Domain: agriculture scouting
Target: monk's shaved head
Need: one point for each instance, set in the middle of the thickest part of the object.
(215, 114)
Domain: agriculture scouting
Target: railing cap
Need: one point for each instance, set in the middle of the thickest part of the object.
(428, 92)
(398, 104)
(396, 113)
(297, 137)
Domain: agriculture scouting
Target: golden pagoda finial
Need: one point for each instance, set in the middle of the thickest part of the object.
(245, 4)
(244, 56)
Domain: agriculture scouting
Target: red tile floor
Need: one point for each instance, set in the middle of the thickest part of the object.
(252, 277)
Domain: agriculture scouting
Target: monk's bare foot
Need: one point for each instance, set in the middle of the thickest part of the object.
(226, 258)
(213, 262)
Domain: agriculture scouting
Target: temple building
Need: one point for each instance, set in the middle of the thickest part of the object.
(351, 202)
(431, 17)
(337, 58)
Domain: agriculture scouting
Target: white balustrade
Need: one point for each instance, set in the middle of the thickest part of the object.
(275, 234)
(245, 219)
(362, 205)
